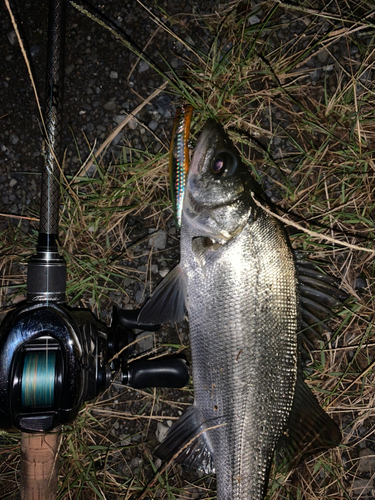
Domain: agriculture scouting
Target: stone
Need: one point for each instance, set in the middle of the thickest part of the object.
(110, 105)
(161, 432)
(153, 125)
(163, 104)
(158, 240)
(366, 461)
(361, 487)
(13, 139)
(145, 341)
(12, 37)
(254, 20)
(132, 123)
(143, 66)
(323, 55)
(119, 118)
(175, 63)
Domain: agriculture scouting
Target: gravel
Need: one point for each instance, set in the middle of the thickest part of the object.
(103, 82)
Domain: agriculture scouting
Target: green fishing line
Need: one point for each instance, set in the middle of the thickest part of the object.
(38, 379)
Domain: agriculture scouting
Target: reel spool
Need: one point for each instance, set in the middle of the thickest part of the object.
(40, 377)
(53, 360)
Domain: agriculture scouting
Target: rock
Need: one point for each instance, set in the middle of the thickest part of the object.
(175, 63)
(69, 69)
(34, 50)
(13, 139)
(143, 66)
(361, 487)
(153, 125)
(110, 105)
(119, 118)
(315, 75)
(158, 240)
(366, 76)
(254, 20)
(323, 55)
(12, 37)
(125, 440)
(116, 139)
(360, 283)
(145, 341)
(12, 182)
(139, 296)
(366, 461)
(132, 124)
(163, 104)
(161, 432)
(113, 74)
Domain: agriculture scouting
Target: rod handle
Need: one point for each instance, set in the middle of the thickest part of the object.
(39, 465)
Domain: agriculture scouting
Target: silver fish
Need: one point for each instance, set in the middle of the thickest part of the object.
(238, 282)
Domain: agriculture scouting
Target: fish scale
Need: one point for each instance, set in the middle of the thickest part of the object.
(238, 283)
(226, 334)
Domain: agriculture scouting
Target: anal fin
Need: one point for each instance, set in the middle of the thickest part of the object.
(309, 429)
(187, 436)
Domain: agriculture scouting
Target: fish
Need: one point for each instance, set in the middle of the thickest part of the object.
(247, 296)
(179, 158)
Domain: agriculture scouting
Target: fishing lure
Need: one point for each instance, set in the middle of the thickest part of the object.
(179, 158)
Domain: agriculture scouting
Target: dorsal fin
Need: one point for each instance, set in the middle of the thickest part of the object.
(319, 298)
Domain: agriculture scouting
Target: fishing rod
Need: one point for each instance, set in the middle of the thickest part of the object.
(54, 358)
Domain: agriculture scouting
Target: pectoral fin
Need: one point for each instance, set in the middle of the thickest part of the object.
(309, 429)
(187, 441)
(167, 302)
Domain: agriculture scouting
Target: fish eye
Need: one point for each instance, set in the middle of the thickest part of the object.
(218, 165)
(223, 164)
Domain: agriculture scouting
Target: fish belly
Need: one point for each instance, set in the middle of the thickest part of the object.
(243, 322)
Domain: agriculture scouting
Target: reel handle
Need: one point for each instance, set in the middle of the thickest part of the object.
(162, 373)
(129, 319)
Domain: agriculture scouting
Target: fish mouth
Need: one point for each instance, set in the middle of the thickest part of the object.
(204, 142)
(208, 127)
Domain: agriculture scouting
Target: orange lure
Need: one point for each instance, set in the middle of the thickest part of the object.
(179, 158)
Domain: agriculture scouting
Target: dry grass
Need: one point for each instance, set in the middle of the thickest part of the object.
(309, 138)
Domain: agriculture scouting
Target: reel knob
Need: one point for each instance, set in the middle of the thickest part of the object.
(162, 373)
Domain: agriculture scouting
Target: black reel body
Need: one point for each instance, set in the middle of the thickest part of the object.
(53, 359)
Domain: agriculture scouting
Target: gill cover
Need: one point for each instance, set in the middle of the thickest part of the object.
(218, 200)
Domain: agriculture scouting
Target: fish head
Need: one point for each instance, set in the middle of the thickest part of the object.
(218, 201)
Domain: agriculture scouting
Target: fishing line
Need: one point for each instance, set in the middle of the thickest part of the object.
(38, 378)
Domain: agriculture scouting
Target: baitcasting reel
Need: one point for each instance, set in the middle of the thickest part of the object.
(53, 359)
